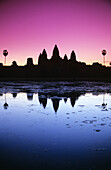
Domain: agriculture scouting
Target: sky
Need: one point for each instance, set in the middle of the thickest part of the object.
(29, 26)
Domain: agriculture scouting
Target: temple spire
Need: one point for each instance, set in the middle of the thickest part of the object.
(55, 51)
(73, 56)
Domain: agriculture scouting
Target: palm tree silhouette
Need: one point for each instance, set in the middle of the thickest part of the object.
(5, 104)
(5, 53)
(104, 53)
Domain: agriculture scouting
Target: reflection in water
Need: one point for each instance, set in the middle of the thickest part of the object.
(43, 101)
(5, 104)
(104, 105)
(30, 96)
(55, 104)
(78, 137)
(14, 95)
(42, 98)
(56, 100)
(73, 98)
(65, 100)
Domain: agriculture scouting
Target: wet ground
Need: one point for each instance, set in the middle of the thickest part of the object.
(55, 125)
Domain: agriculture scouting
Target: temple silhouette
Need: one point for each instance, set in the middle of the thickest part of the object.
(55, 68)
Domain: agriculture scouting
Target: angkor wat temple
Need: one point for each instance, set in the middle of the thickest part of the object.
(55, 68)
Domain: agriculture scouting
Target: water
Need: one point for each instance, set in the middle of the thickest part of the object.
(60, 126)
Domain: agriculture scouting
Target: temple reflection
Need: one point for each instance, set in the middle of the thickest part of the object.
(56, 100)
(14, 95)
(30, 96)
(43, 101)
(55, 104)
(65, 100)
(54, 97)
(72, 100)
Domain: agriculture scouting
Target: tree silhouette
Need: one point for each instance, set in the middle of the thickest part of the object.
(5, 53)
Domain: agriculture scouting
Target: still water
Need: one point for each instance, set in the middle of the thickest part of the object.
(45, 128)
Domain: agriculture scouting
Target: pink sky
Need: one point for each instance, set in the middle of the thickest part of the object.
(29, 26)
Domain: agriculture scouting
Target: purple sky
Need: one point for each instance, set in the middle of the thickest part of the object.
(29, 26)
